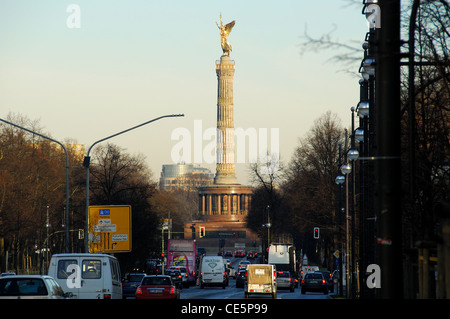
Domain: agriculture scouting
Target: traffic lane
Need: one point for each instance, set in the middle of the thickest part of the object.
(297, 294)
(231, 292)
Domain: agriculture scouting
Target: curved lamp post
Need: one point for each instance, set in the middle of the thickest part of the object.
(87, 160)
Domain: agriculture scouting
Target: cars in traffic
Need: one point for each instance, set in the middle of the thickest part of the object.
(241, 278)
(328, 278)
(252, 255)
(285, 281)
(314, 282)
(130, 282)
(230, 269)
(31, 287)
(184, 275)
(243, 264)
(157, 287)
(176, 277)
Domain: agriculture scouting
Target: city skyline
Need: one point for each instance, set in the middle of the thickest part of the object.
(129, 62)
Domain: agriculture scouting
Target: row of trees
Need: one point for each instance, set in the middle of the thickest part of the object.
(301, 195)
(32, 198)
(304, 195)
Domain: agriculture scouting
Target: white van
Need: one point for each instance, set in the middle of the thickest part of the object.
(87, 276)
(212, 272)
(261, 279)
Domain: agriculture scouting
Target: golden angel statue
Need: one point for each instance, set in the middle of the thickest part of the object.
(224, 32)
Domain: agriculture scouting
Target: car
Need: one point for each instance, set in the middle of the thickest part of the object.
(241, 278)
(31, 287)
(285, 280)
(176, 278)
(228, 254)
(229, 269)
(329, 278)
(184, 274)
(243, 264)
(252, 255)
(130, 283)
(157, 287)
(314, 282)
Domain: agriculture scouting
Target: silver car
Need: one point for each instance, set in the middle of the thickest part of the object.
(30, 287)
(285, 280)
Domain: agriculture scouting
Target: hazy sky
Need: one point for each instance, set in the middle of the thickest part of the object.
(131, 61)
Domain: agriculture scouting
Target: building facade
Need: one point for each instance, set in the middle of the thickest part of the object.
(187, 177)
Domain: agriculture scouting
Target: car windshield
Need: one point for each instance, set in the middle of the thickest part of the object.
(22, 287)
(174, 273)
(314, 276)
(160, 281)
(135, 278)
(283, 274)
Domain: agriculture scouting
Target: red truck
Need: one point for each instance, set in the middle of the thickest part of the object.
(183, 253)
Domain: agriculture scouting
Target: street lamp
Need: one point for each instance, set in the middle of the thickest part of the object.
(359, 134)
(363, 109)
(87, 161)
(353, 155)
(339, 179)
(346, 169)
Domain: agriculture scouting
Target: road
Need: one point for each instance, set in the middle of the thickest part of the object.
(231, 292)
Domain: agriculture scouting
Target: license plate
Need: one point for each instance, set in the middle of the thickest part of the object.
(155, 291)
(313, 281)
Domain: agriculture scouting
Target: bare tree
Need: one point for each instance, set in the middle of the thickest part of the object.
(309, 188)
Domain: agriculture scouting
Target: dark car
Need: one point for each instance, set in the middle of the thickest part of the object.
(157, 287)
(314, 282)
(329, 279)
(176, 277)
(241, 278)
(130, 284)
(184, 274)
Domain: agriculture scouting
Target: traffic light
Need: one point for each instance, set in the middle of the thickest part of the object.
(316, 232)
(202, 231)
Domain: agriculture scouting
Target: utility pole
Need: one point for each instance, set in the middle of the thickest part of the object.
(387, 159)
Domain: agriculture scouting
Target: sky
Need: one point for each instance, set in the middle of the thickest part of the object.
(102, 66)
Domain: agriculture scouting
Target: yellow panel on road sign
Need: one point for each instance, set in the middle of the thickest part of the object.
(109, 229)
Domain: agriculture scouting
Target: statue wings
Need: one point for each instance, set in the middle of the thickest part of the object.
(229, 26)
